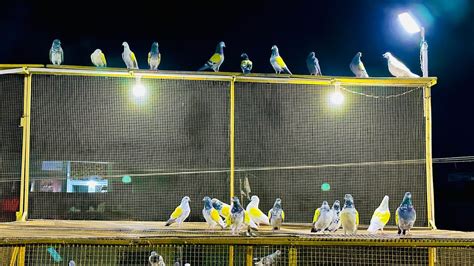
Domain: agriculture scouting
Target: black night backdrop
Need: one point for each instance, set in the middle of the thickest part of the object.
(188, 31)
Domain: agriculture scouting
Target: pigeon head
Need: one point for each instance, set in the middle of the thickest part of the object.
(236, 205)
(336, 205)
(125, 45)
(56, 43)
(384, 202)
(220, 48)
(387, 55)
(277, 203)
(325, 206)
(185, 199)
(348, 200)
(154, 47)
(217, 204)
(407, 199)
(97, 51)
(207, 203)
(274, 50)
(244, 56)
(255, 199)
(235, 200)
(312, 55)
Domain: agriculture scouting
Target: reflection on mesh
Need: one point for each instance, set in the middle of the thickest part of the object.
(92, 135)
(11, 109)
(44, 254)
(292, 144)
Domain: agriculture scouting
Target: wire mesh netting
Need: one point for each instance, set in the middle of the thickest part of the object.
(127, 255)
(45, 254)
(11, 109)
(101, 151)
(291, 143)
(340, 255)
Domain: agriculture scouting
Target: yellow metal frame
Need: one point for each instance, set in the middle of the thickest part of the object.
(283, 241)
(425, 83)
(431, 256)
(249, 256)
(231, 255)
(14, 256)
(293, 256)
(232, 137)
(238, 77)
(25, 158)
(429, 157)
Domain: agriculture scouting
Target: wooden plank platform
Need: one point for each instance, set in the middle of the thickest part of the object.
(122, 232)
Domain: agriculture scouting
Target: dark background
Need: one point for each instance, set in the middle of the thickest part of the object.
(335, 30)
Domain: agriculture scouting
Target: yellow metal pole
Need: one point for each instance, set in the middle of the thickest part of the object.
(232, 136)
(429, 157)
(232, 155)
(14, 256)
(292, 257)
(25, 153)
(249, 256)
(21, 256)
(231, 255)
(431, 256)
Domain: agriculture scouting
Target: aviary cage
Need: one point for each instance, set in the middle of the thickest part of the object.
(93, 146)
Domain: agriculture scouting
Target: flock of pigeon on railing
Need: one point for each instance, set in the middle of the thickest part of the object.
(395, 66)
(326, 219)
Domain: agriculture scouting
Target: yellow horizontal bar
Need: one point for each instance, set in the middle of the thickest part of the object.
(239, 77)
(19, 65)
(401, 242)
(126, 74)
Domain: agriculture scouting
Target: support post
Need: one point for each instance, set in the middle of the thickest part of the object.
(231, 255)
(429, 157)
(249, 256)
(232, 154)
(431, 256)
(232, 136)
(292, 257)
(22, 214)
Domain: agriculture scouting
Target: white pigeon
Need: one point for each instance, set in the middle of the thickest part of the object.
(155, 259)
(129, 57)
(256, 215)
(98, 58)
(322, 218)
(269, 259)
(397, 68)
(180, 213)
(380, 217)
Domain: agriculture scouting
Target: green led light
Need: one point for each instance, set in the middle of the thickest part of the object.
(325, 187)
(126, 179)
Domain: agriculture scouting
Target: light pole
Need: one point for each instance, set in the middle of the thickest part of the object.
(410, 25)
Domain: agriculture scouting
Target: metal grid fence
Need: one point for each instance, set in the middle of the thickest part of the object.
(54, 254)
(99, 153)
(11, 110)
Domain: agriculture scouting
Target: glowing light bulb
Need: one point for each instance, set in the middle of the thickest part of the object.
(409, 23)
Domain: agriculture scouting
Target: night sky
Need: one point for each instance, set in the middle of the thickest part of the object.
(188, 32)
